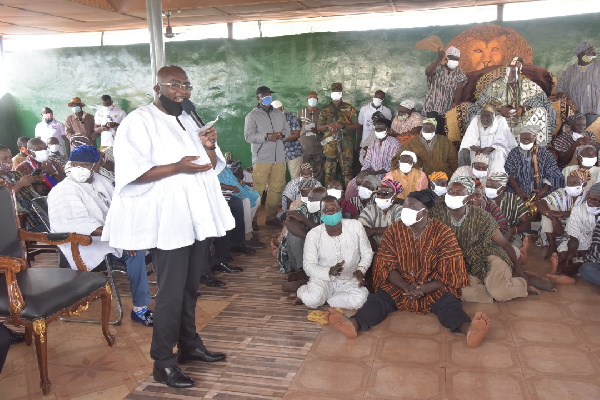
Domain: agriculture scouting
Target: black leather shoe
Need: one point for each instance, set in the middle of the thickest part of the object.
(198, 354)
(211, 281)
(15, 337)
(173, 377)
(224, 267)
(242, 249)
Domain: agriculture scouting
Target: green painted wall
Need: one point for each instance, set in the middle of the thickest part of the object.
(226, 72)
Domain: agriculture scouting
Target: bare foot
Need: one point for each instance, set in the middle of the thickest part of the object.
(523, 250)
(478, 329)
(553, 263)
(532, 290)
(563, 279)
(342, 324)
(540, 283)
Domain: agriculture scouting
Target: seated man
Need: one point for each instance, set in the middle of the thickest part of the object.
(407, 175)
(55, 154)
(477, 171)
(22, 156)
(434, 152)
(335, 189)
(439, 184)
(79, 204)
(567, 142)
(478, 199)
(580, 228)
(38, 157)
(492, 264)
(291, 191)
(590, 270)
(423, 281)
(555, 210)
(489, 134)
(407, 123)
(365, 185)
(377, 217)
(337, 255)
(587, 158)
(531, 169)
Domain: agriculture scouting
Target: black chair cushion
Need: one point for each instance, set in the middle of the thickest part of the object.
(10, 245)
(46, 291)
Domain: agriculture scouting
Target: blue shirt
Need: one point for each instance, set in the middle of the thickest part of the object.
(227, 177)
(293, 149)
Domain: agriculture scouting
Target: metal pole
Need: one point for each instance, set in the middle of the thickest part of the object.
(157, 45)
(500, 12)
(230, 30)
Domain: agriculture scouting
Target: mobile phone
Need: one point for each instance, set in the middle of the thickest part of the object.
(36, 172)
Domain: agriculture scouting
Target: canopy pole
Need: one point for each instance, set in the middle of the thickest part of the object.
(157, 45)
(499, 12)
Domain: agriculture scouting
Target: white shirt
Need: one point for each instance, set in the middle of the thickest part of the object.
(82, 208)
(497, 135)
(321, 251)
(172, 212)
(108, 114)
(580, 225)
(365, 119)
(45, 131)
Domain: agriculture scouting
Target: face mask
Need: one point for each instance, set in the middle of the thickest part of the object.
(409, 216)
(76, 109)
(405, 168)
(48, 120)
(455, 202)
(402, 117)
(452, 64)
(106, 109)
(335, 96)
(380, 135)
(593, 210)
(439, 190)
(337, 193)
(576, 135)
(491, 193)
(377, 101)
(332, 219)
(588, 59)
(313, 206)
(304, 199)
(80, 174)
(173, 108)
(54, 148)
(5, 167)
(574, 190)
(479, 174)
(384, 203)
(589, 161)
(312, 102)
(364, 193)
(41, 155)
(428, 135)
(266, 101)
(526, 147)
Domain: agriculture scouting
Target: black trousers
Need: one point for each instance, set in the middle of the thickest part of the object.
(448, 309)
(4, 345)
(178, 274)
(235, 236)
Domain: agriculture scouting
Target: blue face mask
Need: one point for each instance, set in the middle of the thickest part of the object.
(267, 100)
(332, 219)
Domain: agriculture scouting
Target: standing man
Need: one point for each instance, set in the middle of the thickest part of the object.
(80, 123)
(293, 148)
(336, 120)
(167, 198)
(49, 127)
(364, 134)
(446, 82)
(265, 129)
(310, 138)
(107, 119)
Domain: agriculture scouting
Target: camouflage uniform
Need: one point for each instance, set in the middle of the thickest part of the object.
(346, 114)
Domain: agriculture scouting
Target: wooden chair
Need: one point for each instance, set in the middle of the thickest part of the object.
(34, 297)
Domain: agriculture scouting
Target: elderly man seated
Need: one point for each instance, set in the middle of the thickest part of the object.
(407, 123)
(407, 175)
(587, 158)
(377, 217)
(80, 204)
(335, 189)
(55, 149)
(438, 182)
(38, 161)
(489, 134)
(366, 185)
(419, 268)
(292, 191)
(569, 140)
(478, 170)
(494, 270)
(337, 255)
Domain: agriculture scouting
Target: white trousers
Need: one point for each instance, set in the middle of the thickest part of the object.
(337, 293)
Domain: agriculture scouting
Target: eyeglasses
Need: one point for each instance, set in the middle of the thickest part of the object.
(177, 86)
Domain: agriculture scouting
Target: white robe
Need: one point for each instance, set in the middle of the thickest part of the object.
(498, 135)
(172, 212)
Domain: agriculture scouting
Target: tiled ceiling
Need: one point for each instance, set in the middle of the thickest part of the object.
(25, 17)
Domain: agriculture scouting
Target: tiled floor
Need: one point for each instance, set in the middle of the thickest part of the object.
(540, 348)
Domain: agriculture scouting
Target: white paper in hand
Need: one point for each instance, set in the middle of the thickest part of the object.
(308, 129)
(210, 124)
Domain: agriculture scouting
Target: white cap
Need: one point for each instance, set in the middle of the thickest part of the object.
(276, 104)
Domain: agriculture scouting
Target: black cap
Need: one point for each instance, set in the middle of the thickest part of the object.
(263, 90)
(46, 110)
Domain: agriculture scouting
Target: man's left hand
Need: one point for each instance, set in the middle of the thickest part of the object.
(208, 137)
(360, 277)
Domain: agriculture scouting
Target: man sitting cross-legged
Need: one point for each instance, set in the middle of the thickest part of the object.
(419, 268)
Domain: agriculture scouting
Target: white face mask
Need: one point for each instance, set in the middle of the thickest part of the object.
(592, 210)
(454, 202)
(589, 161)
(428, 135)
(41, 155)
(384, 203)
(491, 193)
(364, 193)
(335, 96)
(380, 135)
(452, 64)
(312, 102)
(479, 174)
(377, 101)
(576, 136)
(80, 174)
(526, 147)
(405, 168)
(440, 190)
(313, 206)
(304, 199)
(574, 190)
(409, 216)
(337, 193)
(54, 148)
(402, 117)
